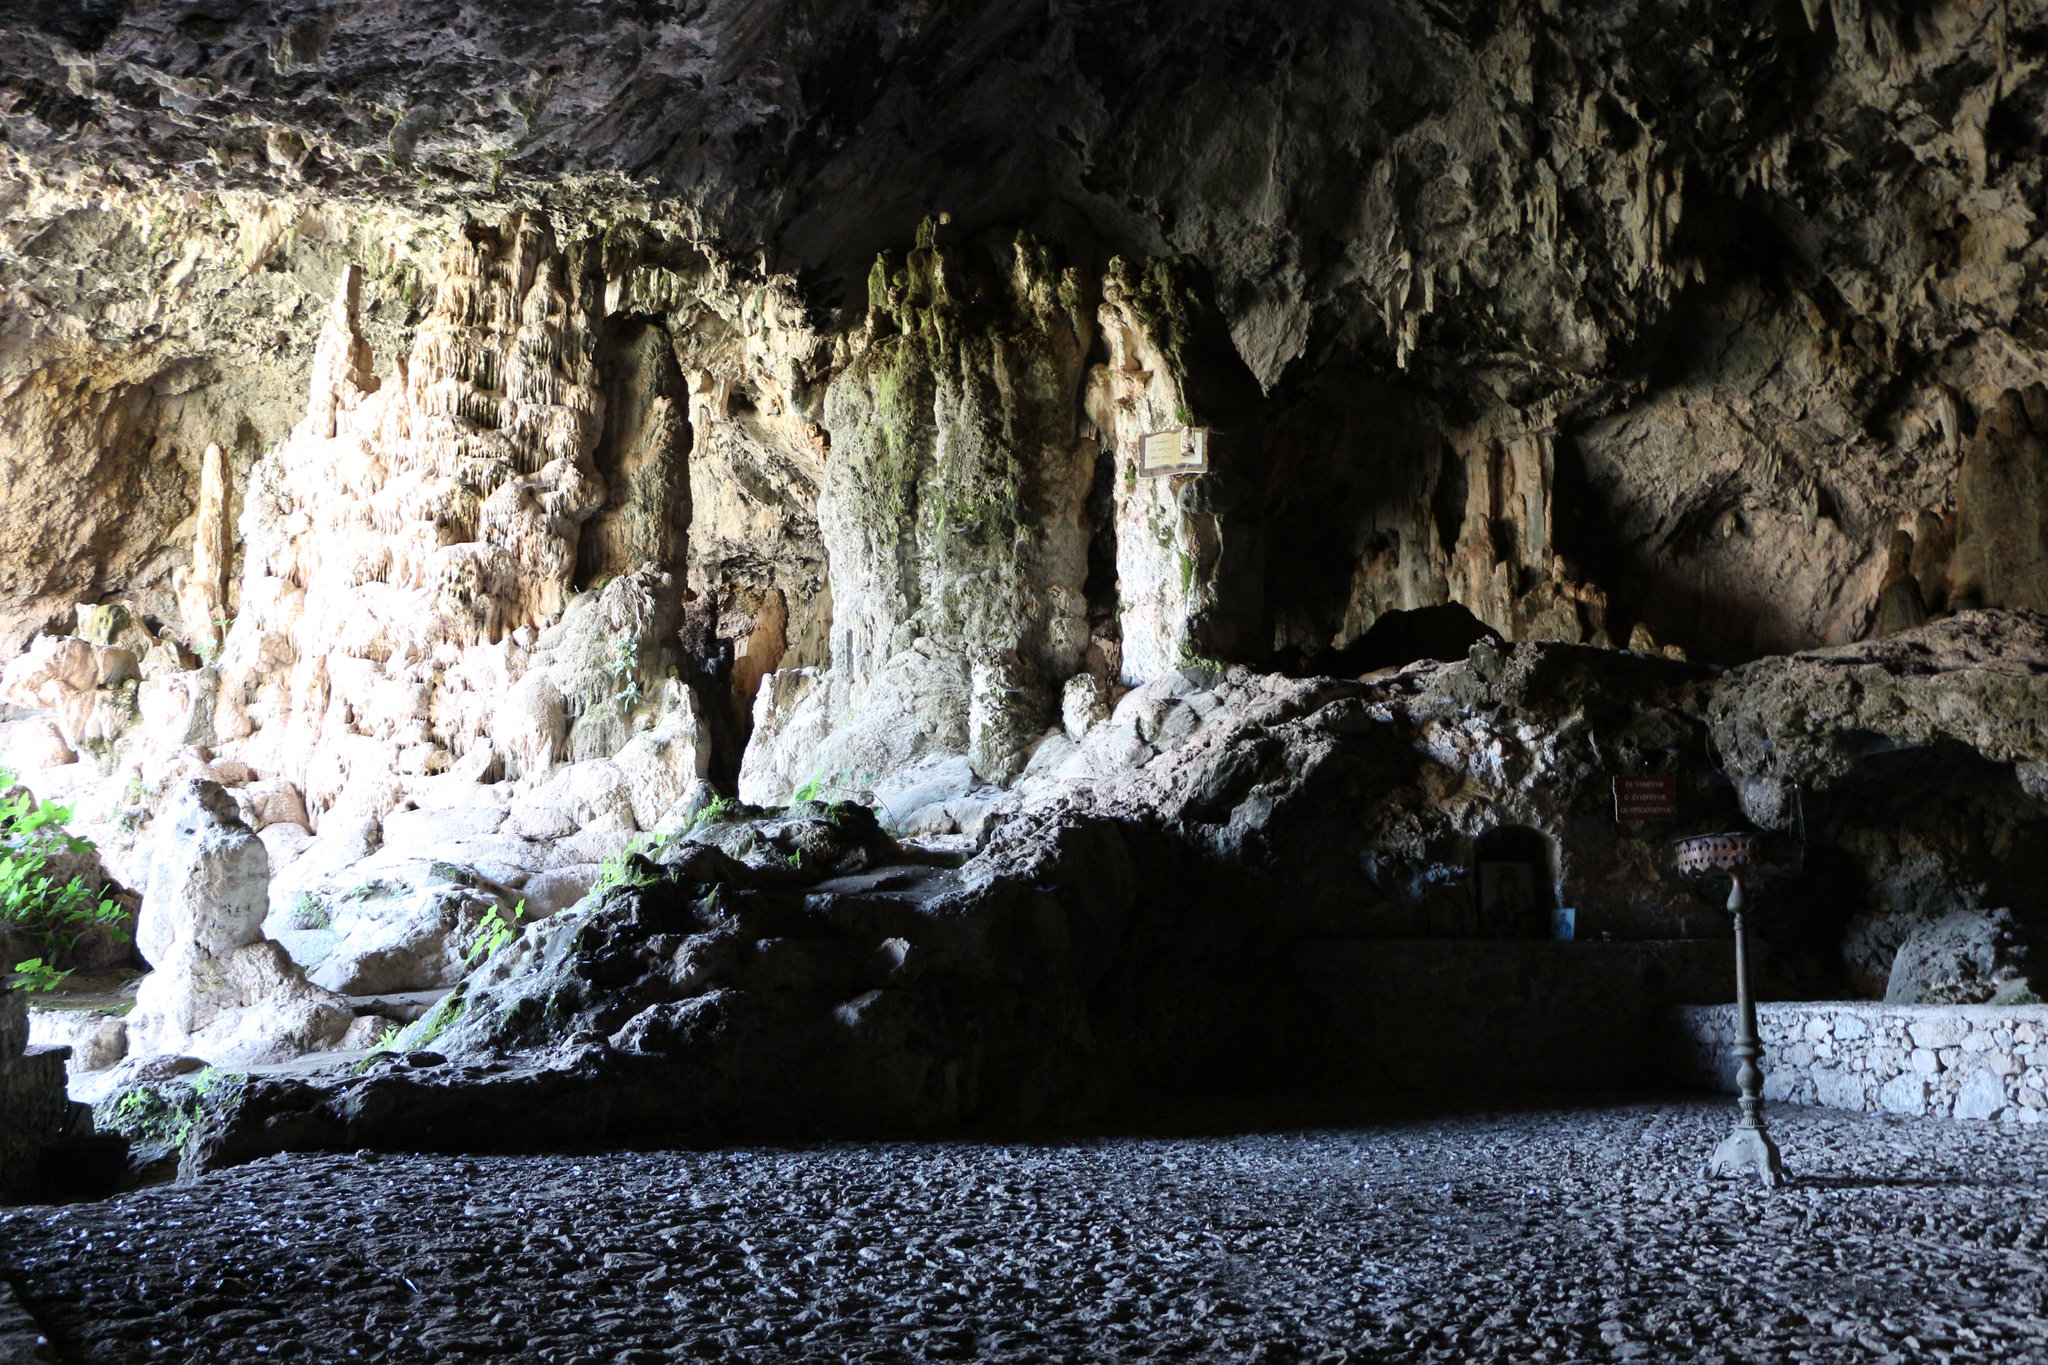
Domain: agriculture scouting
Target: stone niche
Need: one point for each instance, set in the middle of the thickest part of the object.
(1514, 882)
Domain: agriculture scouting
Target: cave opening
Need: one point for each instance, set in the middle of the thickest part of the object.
(910, 681)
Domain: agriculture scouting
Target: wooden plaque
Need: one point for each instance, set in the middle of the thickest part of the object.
(1645, 798)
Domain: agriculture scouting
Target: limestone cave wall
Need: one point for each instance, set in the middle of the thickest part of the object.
(448, 428)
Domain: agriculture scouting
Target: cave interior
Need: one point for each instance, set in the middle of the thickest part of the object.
(747, 680)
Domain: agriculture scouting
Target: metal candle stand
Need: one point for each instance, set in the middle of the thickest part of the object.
(1740, 857)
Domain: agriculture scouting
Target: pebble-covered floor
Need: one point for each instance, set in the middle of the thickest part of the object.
(1581, 1234)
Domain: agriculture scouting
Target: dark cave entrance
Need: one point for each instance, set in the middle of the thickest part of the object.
(1445, 633)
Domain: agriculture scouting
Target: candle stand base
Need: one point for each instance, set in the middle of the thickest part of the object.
(1749, 1149)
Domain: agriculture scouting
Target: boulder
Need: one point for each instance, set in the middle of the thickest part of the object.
(220, 989)
(74, 680)
(556, 889)
(97, 1039)
(1972, 957)
(245, 1007)
(273, 801)
(37, 744)
(408, 926)
(209, 882)
(913, 800)
(284, 843)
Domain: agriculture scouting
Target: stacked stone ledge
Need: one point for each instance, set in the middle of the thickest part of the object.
(35, 1111)
(1944, 1061)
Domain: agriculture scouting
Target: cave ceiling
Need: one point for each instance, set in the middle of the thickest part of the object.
(1758, 263)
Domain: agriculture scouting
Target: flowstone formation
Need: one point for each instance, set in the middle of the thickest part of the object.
(1585, 317)
(954, 510)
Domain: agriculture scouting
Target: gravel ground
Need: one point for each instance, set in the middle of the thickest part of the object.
(1581, 1234)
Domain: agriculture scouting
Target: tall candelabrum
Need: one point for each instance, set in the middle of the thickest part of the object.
(1743, 858)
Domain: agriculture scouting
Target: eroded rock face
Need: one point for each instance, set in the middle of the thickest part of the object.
(1117, 931)
(1134, 912)
(622, 429)
(219, 989)
(954, 509)
(1968, 958)
(1607, 326)
(1918, 761)
(209, 880)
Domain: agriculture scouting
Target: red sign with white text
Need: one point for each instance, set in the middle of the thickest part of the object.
(1645, 798)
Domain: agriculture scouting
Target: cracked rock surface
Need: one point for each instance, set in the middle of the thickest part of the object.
(1565, 1235)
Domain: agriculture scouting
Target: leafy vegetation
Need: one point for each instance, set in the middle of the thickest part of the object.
(37, 975)
(159, 1117)
(436, 1023)
(718, 809)
(494, 933)
(618, 868)
(54, 917)
(624, 668)
(310, 912)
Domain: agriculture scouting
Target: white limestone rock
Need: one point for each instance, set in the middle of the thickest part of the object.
(558, 888)
(209, 882)
(244, 1007)
(270, 802)
(97, 1040)
(220, 989)
(36, 745)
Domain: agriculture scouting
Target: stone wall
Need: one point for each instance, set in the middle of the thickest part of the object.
(1960, 1061)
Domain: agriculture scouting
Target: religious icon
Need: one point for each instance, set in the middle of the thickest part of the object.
(1507, 896)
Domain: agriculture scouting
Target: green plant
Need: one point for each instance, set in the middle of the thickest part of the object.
(624, 668)
(815, 789)
(56, 916)
(37, 975)
(310, 912)
(159, 1117)
(438, 1022)
(717, 809)
(387, 1041)
(209, 647)
(212, 1083)
(618, 867)
(494, 933)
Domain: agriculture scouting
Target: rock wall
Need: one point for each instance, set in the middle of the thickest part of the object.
(35, 1111)
(1663, 316)
(556, 434)
(1966, 1062)
(411, 536)
(953, 514)
(1912, 769)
